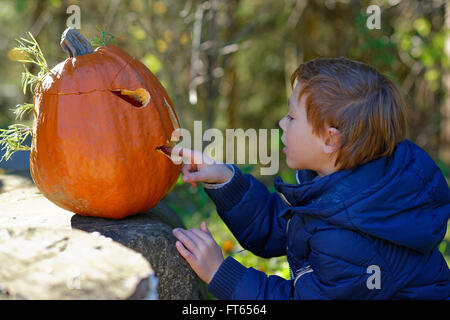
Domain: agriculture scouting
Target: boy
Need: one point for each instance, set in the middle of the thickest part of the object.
(367, 214)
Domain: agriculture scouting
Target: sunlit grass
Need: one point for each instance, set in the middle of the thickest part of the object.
(444, 246)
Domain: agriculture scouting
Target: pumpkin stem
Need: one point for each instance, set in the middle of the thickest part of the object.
(74, 43)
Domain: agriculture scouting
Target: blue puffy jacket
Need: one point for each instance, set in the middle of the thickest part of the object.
(370, 232)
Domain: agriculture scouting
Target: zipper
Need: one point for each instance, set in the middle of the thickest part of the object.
(303, 271)
(291, 274)
(285, 200)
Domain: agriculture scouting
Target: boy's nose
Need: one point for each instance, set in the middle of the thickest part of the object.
(281, 123)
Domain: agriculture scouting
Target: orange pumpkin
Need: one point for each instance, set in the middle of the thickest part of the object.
(100, 119)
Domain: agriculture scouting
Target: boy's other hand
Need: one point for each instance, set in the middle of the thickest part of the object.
(201, 168)
(200, 250)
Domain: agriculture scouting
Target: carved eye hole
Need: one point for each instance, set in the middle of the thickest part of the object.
(138, 98)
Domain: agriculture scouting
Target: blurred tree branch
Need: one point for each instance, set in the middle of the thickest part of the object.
(444, 148)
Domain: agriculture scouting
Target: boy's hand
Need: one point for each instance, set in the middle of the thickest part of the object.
(201, 168)
(200, 250)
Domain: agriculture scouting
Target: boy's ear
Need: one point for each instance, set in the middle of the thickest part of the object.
(331, 140)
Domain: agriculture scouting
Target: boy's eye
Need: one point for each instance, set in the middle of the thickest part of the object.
(289, 117)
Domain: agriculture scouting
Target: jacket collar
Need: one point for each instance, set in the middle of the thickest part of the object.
(329, 193)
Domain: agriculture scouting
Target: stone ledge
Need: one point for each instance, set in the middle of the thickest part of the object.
(22, 205)
(58, 264)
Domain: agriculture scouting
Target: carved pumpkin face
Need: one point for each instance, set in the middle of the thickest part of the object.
(99, 121)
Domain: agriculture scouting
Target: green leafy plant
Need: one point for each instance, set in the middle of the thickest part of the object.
(22, 109)
(33, 53)
(13, 138)
(104, 38)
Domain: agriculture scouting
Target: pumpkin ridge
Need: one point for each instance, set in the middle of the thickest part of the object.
(115, 77)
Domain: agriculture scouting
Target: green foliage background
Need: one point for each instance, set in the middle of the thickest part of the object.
(228, 62)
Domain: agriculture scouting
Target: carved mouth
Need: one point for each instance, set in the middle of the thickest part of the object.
(166, 149)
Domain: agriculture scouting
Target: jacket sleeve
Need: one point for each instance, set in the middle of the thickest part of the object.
(252, 214)
(335, 272)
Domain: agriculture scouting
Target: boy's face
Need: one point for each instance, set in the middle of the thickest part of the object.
(303, 149)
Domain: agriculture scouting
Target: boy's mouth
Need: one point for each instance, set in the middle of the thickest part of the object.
(282, 141)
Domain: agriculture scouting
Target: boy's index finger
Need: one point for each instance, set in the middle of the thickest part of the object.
(193, 156)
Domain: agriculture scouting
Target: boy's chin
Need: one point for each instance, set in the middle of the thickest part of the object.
(294, 166)
(297, 166)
